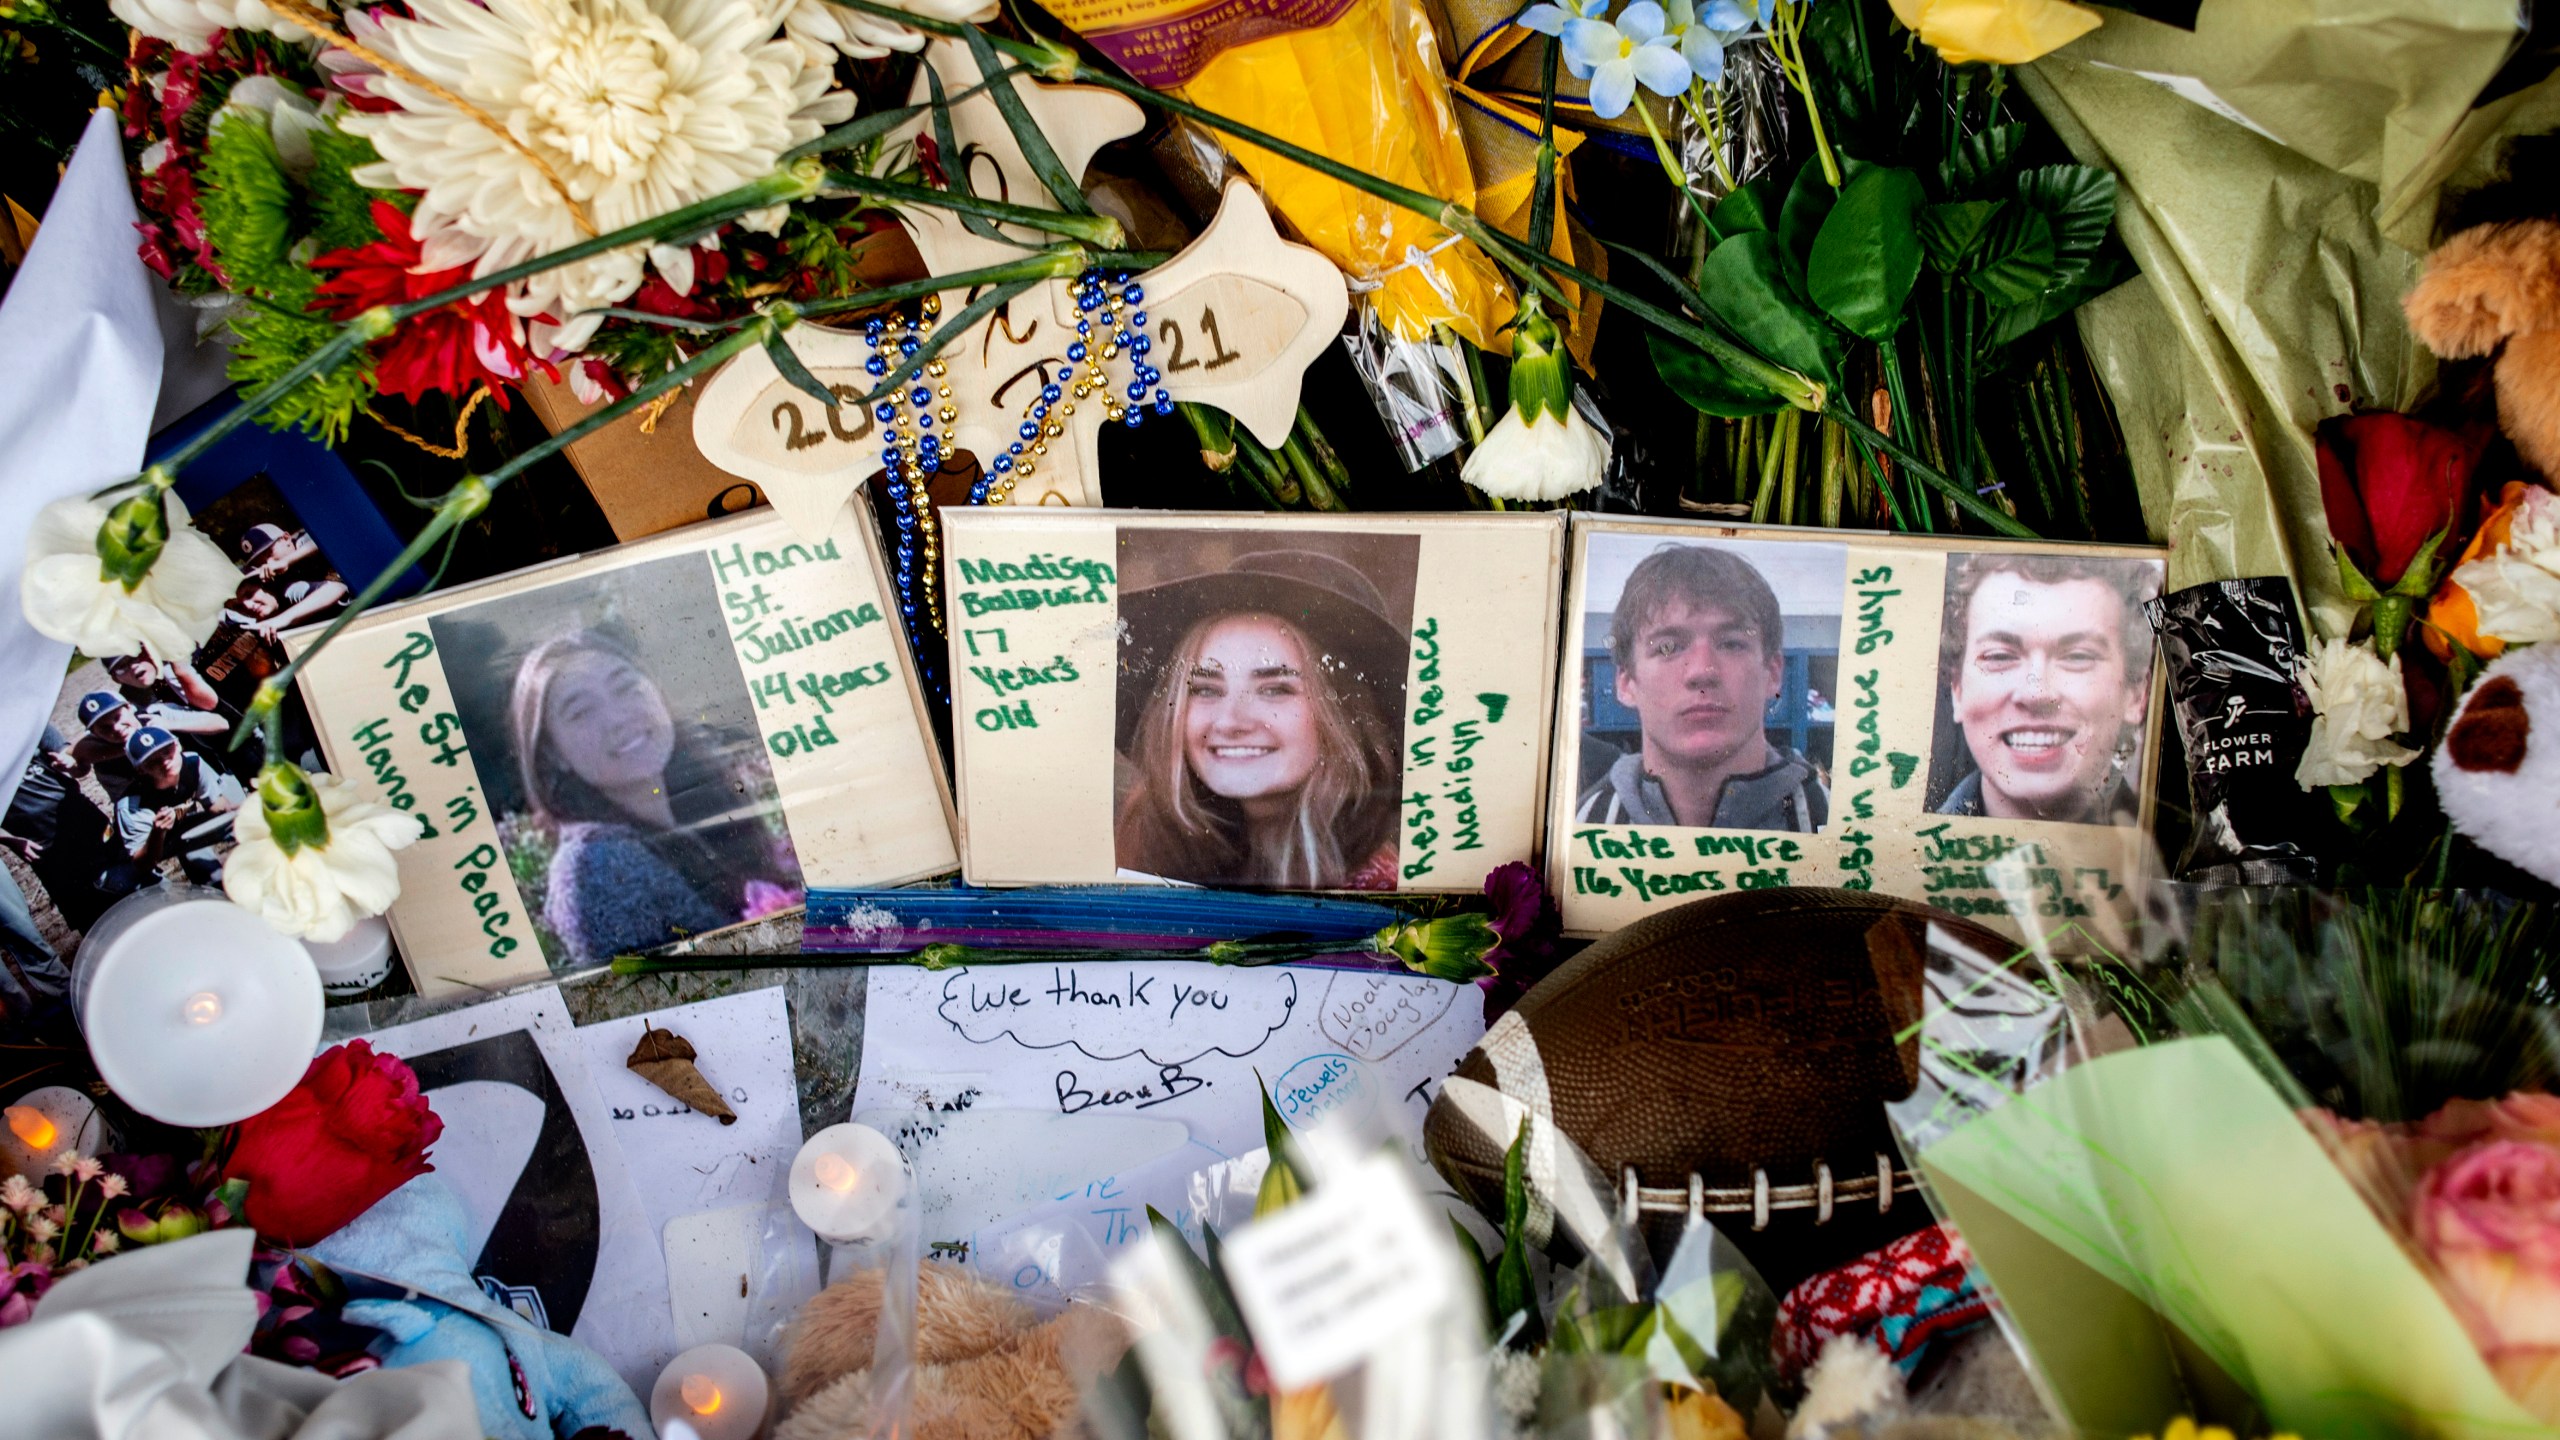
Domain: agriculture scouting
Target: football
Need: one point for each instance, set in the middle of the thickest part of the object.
(1749, 1040)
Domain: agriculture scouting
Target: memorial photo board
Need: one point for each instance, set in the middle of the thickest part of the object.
(637, 747)
(1301, 703)
(1750, 708)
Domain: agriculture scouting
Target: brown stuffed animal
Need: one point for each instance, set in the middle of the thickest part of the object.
(986, 1367)
(2496, 286)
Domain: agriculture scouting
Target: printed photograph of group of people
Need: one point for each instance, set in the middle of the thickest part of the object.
(136, 776)
(1711, 674)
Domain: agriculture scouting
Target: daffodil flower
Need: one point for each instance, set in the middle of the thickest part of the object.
(1542, 449)
(1616, 57)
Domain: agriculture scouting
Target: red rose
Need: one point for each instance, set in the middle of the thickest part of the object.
(353, 1131)
(2388, 483)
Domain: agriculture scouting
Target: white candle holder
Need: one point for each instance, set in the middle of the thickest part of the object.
(44, 1123)
(356, 962)
(846, 1183)
(717, 1390)
(197, 1012)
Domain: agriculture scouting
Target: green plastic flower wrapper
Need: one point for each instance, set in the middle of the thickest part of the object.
(2135, 1173)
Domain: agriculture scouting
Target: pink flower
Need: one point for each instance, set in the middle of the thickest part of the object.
(2526, 1115)
(2490, 1220)
(113, 1187)
(17, 1194)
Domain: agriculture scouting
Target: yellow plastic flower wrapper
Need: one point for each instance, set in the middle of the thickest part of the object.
(1362, 85)
(2004, 32)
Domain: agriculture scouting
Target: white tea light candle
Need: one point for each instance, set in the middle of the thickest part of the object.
(847, 1182)
(197, 1012)
(716, 1390)
(48, 1122)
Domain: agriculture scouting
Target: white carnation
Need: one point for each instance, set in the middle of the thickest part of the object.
(319, 891)
(1540, 459)
(191, 24)
(2358, 703)
(68, 596)
(821, 28)
(2516, 587)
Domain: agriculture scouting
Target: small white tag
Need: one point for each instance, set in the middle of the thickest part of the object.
(1326, 1281)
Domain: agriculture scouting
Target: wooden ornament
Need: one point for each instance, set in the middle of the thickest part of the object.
(1233, 320)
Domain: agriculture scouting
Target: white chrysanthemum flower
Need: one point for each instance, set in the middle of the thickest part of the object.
(334, 874)
(72, 590)
(2358, 703)
(635, 108)
(2516, 587)
(191, 24)
(820, 27)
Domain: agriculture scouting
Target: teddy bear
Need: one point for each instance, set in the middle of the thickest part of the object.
(987, 1367)
(2497, 773)
(2494, 290)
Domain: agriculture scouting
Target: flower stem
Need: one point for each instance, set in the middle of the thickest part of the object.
(1962, 498)
(1099, 230)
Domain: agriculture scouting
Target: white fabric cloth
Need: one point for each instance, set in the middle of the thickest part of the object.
(146, 1346)
(80, 357)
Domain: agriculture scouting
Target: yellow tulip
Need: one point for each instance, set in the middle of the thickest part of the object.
(2004, 32)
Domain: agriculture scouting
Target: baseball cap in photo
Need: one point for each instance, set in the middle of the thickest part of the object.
(97, 704)
(146, 742)
(257, 540)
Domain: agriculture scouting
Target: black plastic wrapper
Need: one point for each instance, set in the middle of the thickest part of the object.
(2232, 647)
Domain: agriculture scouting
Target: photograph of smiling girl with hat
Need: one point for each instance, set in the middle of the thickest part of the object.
(1260, 703)
(611, 727)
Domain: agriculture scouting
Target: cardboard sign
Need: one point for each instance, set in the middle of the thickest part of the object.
(631, 748)
(1321, 703)
(1744, 709)
(1233, 321)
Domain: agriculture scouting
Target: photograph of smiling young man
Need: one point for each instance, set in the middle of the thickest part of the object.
(1697, 643)
(2045, 670)
(1259, 698)
(610, 726)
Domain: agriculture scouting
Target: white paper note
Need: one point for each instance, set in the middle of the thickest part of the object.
(1093, 1044)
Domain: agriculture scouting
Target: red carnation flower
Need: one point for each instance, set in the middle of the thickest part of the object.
(449, 349)
(353, 1131)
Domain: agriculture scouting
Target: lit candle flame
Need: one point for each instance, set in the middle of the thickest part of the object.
(33, 1126)
(836, 1173)
(202, 1008)
(700, 1394)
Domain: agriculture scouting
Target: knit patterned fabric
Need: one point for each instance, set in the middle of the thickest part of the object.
(1901, 1297)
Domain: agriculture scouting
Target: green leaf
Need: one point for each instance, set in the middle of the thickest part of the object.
(2015, 263)
(1695, 377)
(1866, 257)
(955, 161)
(2078, 201)
(1065, 189)
(1752, 286)
(2011, 323)
(1750, 207)
(797, 373)
(1979, 161)
(1202, 1275)
(1951, 234)
(1809, 202)
(1513, 1292)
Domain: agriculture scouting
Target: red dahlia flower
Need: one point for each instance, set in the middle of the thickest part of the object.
(449, 349)
(353, 1131)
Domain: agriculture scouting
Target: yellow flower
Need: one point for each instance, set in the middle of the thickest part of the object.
(2183, 1428)
(2004, 32)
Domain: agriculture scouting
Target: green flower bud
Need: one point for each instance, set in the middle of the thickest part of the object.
(292, 807)
(1451, 947)
(1541, 370)
(137, 530)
